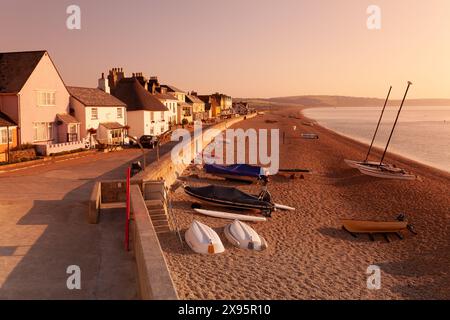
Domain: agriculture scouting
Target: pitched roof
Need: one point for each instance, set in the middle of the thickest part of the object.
(130, 91)
(165, 96)
(194, 99)
(172, 88)
(112, 125)
(16, 68)
(6, 121)
(66, 118)
(94, 97)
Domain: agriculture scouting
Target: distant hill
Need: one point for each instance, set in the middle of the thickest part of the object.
(341, 101)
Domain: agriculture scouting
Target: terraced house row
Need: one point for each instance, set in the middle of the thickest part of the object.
(38, 109)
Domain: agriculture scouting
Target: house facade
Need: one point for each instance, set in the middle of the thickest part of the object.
(171, 104)
(212, 105)
(146, 115)
(8, 136)
(185, 113)
(33, 94)
(103, 117)
(198, 107)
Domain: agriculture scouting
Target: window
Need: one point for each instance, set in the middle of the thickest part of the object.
(116, 133)
(43, 131)
(46, 98)
(119, 113)
(94, 114)
(4, 135)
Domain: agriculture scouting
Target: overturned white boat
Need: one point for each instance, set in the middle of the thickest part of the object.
(385, 171)
(203, 239)
(243, 236)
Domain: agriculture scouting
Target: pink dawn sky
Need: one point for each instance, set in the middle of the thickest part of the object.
(245, 48)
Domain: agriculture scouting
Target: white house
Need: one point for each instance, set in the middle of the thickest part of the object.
(171, 104)
(146, 115)
(33, 94)
(103, 117)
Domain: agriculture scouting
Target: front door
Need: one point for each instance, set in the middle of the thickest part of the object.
(72, 133)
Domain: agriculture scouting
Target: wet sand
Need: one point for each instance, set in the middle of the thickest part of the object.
(309, 255)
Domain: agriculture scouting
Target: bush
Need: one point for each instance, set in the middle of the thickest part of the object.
(24, 146)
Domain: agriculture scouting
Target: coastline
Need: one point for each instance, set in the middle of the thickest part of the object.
(415, 163)
(309, 256)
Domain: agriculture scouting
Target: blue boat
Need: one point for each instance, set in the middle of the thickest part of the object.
(241, 172)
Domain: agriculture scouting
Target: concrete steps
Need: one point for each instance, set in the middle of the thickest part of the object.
(158, 214)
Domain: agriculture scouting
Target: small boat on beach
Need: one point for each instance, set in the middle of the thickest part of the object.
(385, 171)
(377, 227)
(309, 136)
(240, 172)
(243, 236)
(202, 239)
(380, 169)
(232, 198)
(229, 215)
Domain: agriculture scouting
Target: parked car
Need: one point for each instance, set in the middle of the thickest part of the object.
(148, 141)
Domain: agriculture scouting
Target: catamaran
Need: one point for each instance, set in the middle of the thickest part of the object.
(387, 171)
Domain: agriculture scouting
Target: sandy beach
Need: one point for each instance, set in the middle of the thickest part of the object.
(309, 255)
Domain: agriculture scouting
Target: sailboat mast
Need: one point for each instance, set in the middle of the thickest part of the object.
(395, 123)
(378, 125)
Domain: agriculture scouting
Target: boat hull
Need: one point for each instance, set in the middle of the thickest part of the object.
(243, 236)
(216, 195)
(385, 172)
(362, 226)
(202, 239)
(354, 163)
(229, 215)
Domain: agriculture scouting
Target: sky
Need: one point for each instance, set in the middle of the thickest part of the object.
(244, 48)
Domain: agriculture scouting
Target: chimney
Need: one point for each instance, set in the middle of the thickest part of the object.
(103, 84)
(120, 74)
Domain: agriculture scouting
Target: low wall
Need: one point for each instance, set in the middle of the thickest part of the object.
(115, 190)
(165, 169)
(94, 204)
(49, 149)
(154, 280)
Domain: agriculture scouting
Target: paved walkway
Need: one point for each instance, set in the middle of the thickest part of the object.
(43, 230)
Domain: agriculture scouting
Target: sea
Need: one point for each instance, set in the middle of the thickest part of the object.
(422, 133)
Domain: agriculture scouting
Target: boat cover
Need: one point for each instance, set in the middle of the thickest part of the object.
(234, 169)
(230, 195)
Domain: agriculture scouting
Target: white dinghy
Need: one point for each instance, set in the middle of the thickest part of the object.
(202, 239)
(243, 236)
(385, 171)
(388, 171)
(355, 164)
(229, 215)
